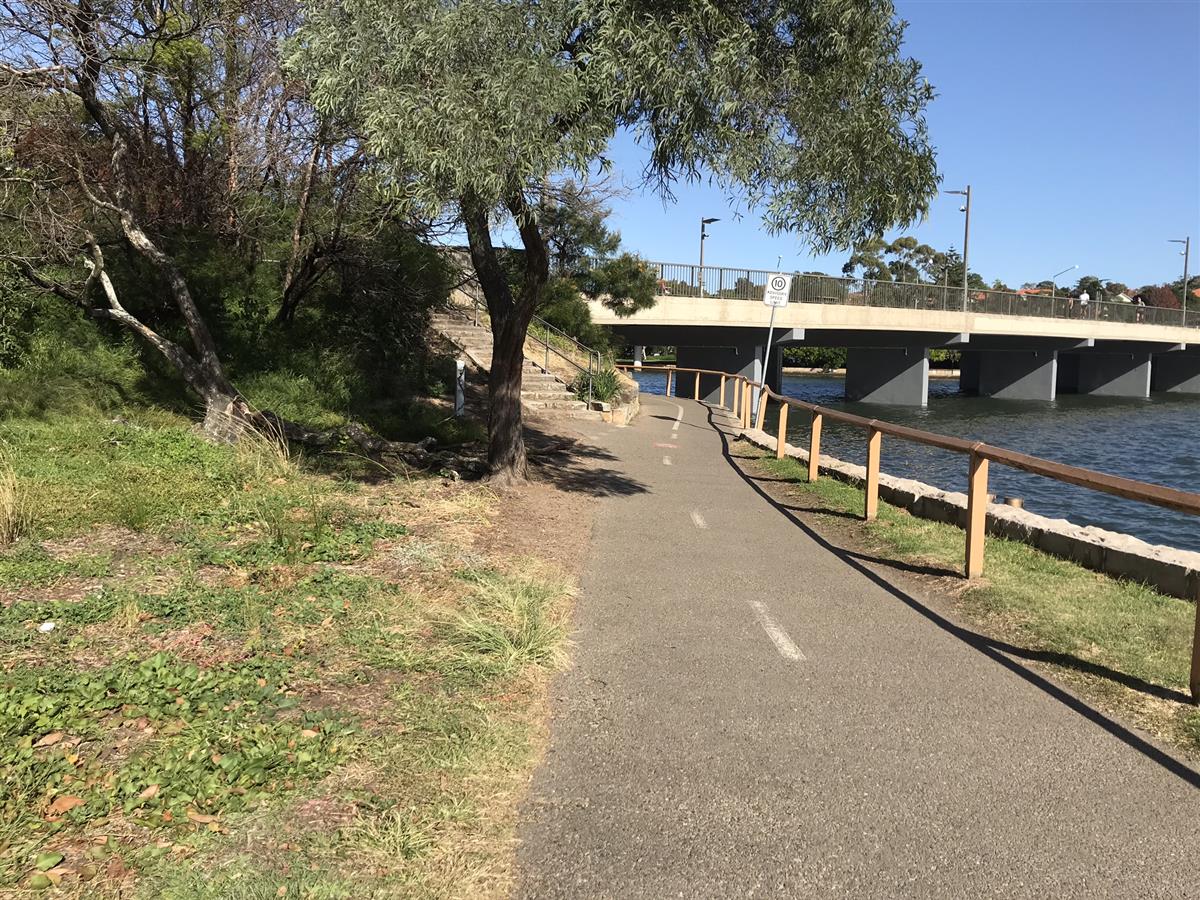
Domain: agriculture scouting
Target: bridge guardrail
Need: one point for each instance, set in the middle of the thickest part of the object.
(978, 453)
(686, 280)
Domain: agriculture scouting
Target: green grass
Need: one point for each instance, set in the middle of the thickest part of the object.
(1103, 635)
(259, 676)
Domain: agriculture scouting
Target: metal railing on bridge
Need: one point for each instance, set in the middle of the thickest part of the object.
(684, 280)
(979, 454)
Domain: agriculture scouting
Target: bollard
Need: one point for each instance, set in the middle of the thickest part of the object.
(781, 442)
(814, 447)
(668, 382)
(1194, 681)
(977, 501)
(874, 444)
(722, 392)
(697, 390)
(460, 383)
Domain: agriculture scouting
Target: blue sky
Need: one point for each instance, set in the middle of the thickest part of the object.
(1077, 125)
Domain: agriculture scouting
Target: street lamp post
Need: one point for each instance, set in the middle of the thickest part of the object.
(703, 235)
(965, 208)
(1187, 246)
(1054, 280)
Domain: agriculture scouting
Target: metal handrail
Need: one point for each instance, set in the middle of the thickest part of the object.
(594, 359)
(977, 452)
(724, 283)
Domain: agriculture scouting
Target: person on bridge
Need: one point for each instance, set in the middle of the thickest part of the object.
(1084, 299)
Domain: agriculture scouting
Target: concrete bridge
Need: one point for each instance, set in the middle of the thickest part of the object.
(1014, 346)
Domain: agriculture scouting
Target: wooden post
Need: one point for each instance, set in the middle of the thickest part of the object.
(669, 373)
(977, 503)
(722, 392)
(874, 443)
(697, 397)
(1194, 681)
(762, 410)
(733, 397)
(747, 397)
(782, 441)
(814, 447)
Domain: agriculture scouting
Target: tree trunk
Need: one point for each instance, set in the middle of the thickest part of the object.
(511, 314)
(506, 439)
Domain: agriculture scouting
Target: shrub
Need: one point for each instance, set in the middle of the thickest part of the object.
(605, 384)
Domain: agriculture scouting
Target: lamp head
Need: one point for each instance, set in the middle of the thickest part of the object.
(709, 221)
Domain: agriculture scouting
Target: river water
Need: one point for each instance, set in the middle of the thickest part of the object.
(1152, 440)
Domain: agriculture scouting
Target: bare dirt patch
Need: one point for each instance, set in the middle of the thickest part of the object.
(112, 540)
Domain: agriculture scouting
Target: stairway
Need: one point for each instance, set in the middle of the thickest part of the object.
(541, 392)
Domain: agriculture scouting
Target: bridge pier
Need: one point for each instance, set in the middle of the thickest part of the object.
(896, 375)
(1176, 373)
(741, 359)
(1010, 374)
(639, 355)
(1105, 374)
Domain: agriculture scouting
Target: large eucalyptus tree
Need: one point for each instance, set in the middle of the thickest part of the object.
(807, 110)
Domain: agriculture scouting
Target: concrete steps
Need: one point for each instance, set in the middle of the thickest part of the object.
(541, 392)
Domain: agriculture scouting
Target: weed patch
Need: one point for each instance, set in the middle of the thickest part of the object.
(259, 677)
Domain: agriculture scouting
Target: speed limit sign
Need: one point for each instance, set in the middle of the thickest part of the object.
(779, 286)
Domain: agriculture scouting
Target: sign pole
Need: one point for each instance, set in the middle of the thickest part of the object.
(775, 295)
(766, 358)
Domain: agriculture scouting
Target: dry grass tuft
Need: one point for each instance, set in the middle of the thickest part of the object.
(15, 516)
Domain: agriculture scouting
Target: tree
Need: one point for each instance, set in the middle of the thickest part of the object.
(136, 131)
(954, 272)
(1160, 295)
(804, 108)
(911, 261)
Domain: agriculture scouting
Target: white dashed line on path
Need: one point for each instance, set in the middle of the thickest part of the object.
(698, 520)
(667, 461)
(778, 636)
(678, 417)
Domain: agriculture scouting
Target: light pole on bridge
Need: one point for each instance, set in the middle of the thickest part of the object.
(965, 208)
(703, 235)
(1187, 246)
(1054, 279)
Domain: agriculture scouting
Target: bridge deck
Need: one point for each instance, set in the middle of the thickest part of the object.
(675, 312)
(753, 713)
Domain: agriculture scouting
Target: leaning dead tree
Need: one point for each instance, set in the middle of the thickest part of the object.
(125, 125)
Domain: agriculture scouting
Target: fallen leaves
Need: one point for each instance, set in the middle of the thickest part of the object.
(51, 739)
(63, 804)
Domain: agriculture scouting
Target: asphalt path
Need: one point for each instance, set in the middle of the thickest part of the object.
(752, 714)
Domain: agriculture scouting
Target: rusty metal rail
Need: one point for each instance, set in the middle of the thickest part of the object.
(978, 454)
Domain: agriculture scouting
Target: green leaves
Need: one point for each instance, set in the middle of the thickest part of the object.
(805, 108)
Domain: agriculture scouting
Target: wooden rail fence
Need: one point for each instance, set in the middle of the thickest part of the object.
(978, 455)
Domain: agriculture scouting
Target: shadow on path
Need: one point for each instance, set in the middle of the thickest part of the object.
(995, 650)
(570, 465)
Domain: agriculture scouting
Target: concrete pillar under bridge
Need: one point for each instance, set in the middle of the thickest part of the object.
(741, 359)
(1176, 373)
(1010, 374)
(1105, 374)
(895, 375)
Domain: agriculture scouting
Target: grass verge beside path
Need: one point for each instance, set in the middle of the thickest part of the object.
(1116, 643)
(227, 675)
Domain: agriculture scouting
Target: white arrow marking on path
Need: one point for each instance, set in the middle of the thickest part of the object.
(778, 636)
(698, 520)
